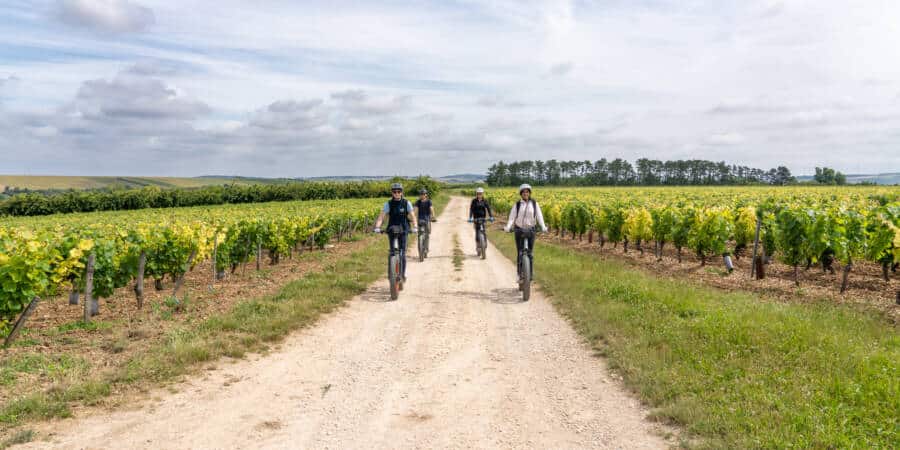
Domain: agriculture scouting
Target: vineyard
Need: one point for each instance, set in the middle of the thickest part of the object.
(828, 228)
(89, 256)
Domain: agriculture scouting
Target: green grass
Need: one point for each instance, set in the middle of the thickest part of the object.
(59, 368)
(21, 437)
(250, 326)
(732, 369)
(457, 254)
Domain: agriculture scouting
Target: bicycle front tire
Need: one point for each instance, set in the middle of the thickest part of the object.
(526, 278)
(394, 276)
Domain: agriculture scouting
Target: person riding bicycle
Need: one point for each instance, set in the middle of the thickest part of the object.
(479, 209)
(400, 213)
(524, 216)
(424, 210)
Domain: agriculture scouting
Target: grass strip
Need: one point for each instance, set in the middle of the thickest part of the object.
(20, 437)
(250, 326)
(733, 369)
(457, 254)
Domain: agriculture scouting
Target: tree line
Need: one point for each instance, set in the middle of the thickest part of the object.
(37, 204)
(827, 175)
(645, 172)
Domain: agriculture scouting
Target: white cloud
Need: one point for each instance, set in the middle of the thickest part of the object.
(124, 98)
(116, 16)
(730, 138)
(498, 101)
(9, 79)
(309, 88)
(559, 70)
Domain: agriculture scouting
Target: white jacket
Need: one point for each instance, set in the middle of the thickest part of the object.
(527, 218)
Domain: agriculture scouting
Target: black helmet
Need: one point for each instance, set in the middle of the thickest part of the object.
(397, 186)
(423, 191)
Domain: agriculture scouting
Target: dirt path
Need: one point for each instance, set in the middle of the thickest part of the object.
(456, 362)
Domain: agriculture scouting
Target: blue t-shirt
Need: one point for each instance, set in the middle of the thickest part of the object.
(387, 207)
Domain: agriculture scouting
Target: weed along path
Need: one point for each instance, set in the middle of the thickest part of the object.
(456, 362)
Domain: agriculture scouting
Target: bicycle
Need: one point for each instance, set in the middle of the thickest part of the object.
(481, 237)
(395, 268)
(526, 264)
(424, 234)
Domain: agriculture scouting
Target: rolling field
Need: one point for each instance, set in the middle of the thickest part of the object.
(60, 182)
(686, 364)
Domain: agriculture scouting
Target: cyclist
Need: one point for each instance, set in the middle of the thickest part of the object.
(425, 214)
(524, 216)
(424, 210)
(400, 213)
(479, 209)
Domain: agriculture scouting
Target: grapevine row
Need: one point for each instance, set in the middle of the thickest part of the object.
(798, 226)
(41, 257)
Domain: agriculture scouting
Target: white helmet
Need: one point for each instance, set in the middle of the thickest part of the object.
(523, 187)
(479, 191)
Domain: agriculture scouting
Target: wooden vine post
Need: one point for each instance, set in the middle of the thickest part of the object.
(246, 258)
(847, 268)
(258, 252)
(180, 279)
(73, 295)
(215, 272)
(755, 249)
(139, 280)
(89, 287)
(20, 322)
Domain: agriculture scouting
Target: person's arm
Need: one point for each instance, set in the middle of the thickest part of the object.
(381, 216)
(512, 219)
(488, 207)
(539, 218)
(471, 210)
(432, 211)
(412, 217)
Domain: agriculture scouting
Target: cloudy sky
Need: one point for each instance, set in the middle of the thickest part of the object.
(289, 88)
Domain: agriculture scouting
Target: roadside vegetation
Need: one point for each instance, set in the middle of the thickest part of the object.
(154, 195)
(734, 369)
(57, 365)
(251, 325)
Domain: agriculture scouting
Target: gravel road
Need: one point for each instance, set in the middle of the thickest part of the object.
(457, 362)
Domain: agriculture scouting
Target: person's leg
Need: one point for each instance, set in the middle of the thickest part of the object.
(476, 235)
(403, 254)
(390, 243)
(531, 252)
(519, 244)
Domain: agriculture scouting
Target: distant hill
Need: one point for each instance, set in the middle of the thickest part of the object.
(463, 178)
(62, 182)
(48, 182)
(880, 178)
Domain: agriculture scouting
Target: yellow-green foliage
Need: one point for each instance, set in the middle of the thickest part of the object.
(638, 225)
(744, 225)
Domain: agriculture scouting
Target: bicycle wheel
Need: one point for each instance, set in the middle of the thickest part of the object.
(394, 276)
(526, 278)
(482, 243)
(427, 241)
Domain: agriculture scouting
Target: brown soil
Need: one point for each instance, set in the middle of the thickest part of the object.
(866, 287)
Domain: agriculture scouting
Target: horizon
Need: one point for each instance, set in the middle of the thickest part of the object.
(283, 90)
(407, 176)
